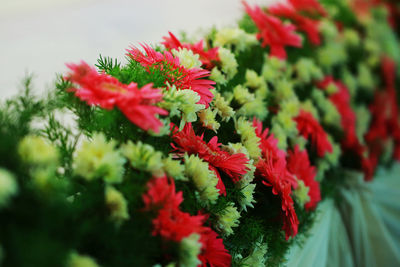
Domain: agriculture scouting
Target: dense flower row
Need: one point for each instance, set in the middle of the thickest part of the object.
(234, 138)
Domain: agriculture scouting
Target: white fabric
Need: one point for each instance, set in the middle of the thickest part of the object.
(363, 230)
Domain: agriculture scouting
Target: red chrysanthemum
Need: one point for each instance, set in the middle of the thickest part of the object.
(214, 253)
(299, 164)
(273, 31)
(310, 6)
(341, 100)
(207, 57)
(276, 175)
(107, 92)
(307, 25)
(174, 72)
(234, 165)
(170, 223)
(309, 127)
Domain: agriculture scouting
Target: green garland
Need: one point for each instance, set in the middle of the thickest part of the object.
(75, 195)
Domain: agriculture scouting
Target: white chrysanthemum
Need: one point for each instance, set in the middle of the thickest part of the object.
(8, 187)
(248, 137)
(284, 90)
(217, 76)
(227, 219)
(187, 58)
(98, 158)
(143, 157)
(189, 249)
(116, 204)
(36, 150)
(203, 178)
(307, 70)
(77, 260)
(254, 108)
(207, 118)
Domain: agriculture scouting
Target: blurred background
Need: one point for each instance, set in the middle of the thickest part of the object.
(39, 36)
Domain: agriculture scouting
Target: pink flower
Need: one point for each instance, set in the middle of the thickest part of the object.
(309, 127)
(299, 165)
(207, 57)
(273, 31)
(234, 165)
(107, 92)
(175, 74)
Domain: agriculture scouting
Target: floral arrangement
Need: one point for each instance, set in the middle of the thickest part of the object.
(201, 153)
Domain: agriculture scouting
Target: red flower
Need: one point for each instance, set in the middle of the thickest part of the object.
(309, 127)
(170, 223)
(207, 58)
(175, 74)
(307, 25)
(299, 165)
(214, 253)
(310, 6)
(275, 174)
(268, 143)
(107, 92)
(233, 165)
(273, 31)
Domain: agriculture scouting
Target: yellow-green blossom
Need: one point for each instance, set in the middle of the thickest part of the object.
(8, 187)
(116, 204)
(217, 76)
(189, 249)
(257, 256)
(350, 81)
(143, 157)
(234, 36)
(182, 103)
(256, 108)
(307, 70)
(291, 107)
(309, 107)
(174, 168)
(203, 178)
(248, 137)
(224, 110)
(332, 54)
(207, 118)
(273, 68)
(285, 120)
(284, 90)
(351, 38)
(36, 150)
(77, 260)
(255, 82)
(187, 58)
(328, 29)
(301, 193)
(281, 135)
(229, 64)
(300, 141)
(365, 78)
(99, 159)
(363, 120)
(227, 219)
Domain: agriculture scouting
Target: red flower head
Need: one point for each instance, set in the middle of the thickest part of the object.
(309, 127)
(170, 223)
(268, 143)
(233, 165)
(299, 165)
(175, 74)
(107, 92)
(207, 58)
(309, 6)
(214, 253)
(275, 174)
(273, 31)
(307, 25)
